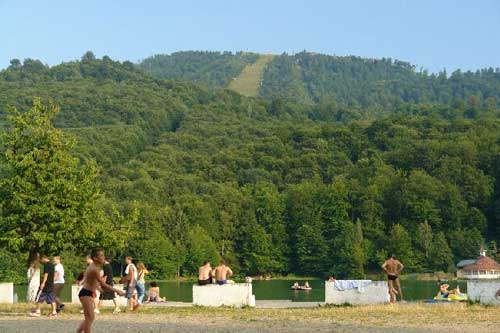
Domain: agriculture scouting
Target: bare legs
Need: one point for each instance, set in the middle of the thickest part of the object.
(88, 313)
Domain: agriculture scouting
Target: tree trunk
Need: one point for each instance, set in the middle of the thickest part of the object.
(33, 275)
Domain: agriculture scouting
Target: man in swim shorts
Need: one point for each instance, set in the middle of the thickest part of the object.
(205, 274)
(91, 281)
(393, 268)
(222, 272)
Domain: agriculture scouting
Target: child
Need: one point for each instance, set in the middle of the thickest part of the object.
(154, 294)
(91, 282)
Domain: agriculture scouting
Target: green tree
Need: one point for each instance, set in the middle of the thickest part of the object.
(200, 247)
(312, 250)
(48, 198)
(399, 244)
(441, 257)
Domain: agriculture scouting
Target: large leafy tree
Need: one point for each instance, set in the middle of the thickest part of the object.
(48, 198)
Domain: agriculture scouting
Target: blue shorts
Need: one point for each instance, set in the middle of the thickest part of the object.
(129, 290)
(47, 297)
(221, 282)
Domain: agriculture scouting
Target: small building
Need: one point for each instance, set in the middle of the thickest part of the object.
(461, 265)
(483, 268)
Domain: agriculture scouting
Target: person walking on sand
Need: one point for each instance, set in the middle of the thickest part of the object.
(141, 281)
(393, 268)
(46, 293)
(91, 282)
(205, 274)
(130, 284)
(58, 282)
(108, 294)
(222, 272)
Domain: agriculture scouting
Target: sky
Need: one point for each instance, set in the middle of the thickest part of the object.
(433, 35)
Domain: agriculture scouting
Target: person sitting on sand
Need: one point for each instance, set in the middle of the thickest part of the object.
(153, 294)
(222, 272)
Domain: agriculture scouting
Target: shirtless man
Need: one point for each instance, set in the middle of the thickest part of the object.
(393, 268)
(222, 272)
(205, 274)
(91, 282)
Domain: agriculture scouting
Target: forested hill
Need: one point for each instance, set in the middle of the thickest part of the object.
(316, 78)
(274, 186)
(212, 69)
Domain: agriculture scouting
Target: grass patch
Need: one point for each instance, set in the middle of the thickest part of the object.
(248, 82)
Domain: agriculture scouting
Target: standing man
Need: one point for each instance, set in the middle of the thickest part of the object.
(222, 272)
(46, 288)
(91, 281)
(58, 282)
(131, 283)
(205, 274)
(393, 268)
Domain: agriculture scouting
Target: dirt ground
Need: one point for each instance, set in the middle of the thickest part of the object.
(371, 319)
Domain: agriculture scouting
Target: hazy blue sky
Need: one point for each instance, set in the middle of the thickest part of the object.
(432, 34)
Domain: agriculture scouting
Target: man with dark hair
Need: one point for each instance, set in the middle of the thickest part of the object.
(46, 288)
(91, 282)
(205, 274)
(222, 272)
(108, 294)
(393, 268)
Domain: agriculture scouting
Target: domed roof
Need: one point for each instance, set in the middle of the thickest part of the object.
(483, 263)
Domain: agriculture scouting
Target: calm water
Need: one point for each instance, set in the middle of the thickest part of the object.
(274, 290)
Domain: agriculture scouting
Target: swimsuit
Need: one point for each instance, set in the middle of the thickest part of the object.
(86, 293)
(205, 282)
(221, 282)
(392, 277)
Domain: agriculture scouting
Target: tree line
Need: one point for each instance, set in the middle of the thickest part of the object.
(174, 173)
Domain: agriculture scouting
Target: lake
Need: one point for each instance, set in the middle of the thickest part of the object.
(413, 290)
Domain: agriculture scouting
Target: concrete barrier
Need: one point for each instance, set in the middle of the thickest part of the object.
(7, 292)
(236, 295)
(75, 289)
(376, 292)
(484, 291)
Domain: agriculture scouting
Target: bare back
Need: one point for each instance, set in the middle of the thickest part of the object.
(222, 272)
(204, 272)
(392, 266)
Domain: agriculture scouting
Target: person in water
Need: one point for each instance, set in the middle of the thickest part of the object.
(393, 268)
(306, 285)
(91, 282)
(222, 272)
(205, 274)
(296, 285)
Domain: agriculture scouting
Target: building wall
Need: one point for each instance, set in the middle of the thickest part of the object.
(237, 295)
(375, 293)
(484, 291)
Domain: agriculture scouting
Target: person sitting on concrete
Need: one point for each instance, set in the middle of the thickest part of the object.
(205, 274)
(153, 294)
(330, 279)
(222, 272)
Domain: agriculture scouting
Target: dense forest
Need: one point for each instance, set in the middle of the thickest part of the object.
(212, 69)
(276, 185)
(307, 78)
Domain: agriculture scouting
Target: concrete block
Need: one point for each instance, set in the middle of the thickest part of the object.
(484, 291)
(75, 289)
(7, 292)
(237, 295)
(376, 292)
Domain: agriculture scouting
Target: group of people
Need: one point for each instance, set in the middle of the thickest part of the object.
(219, 275)
(51, 286)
